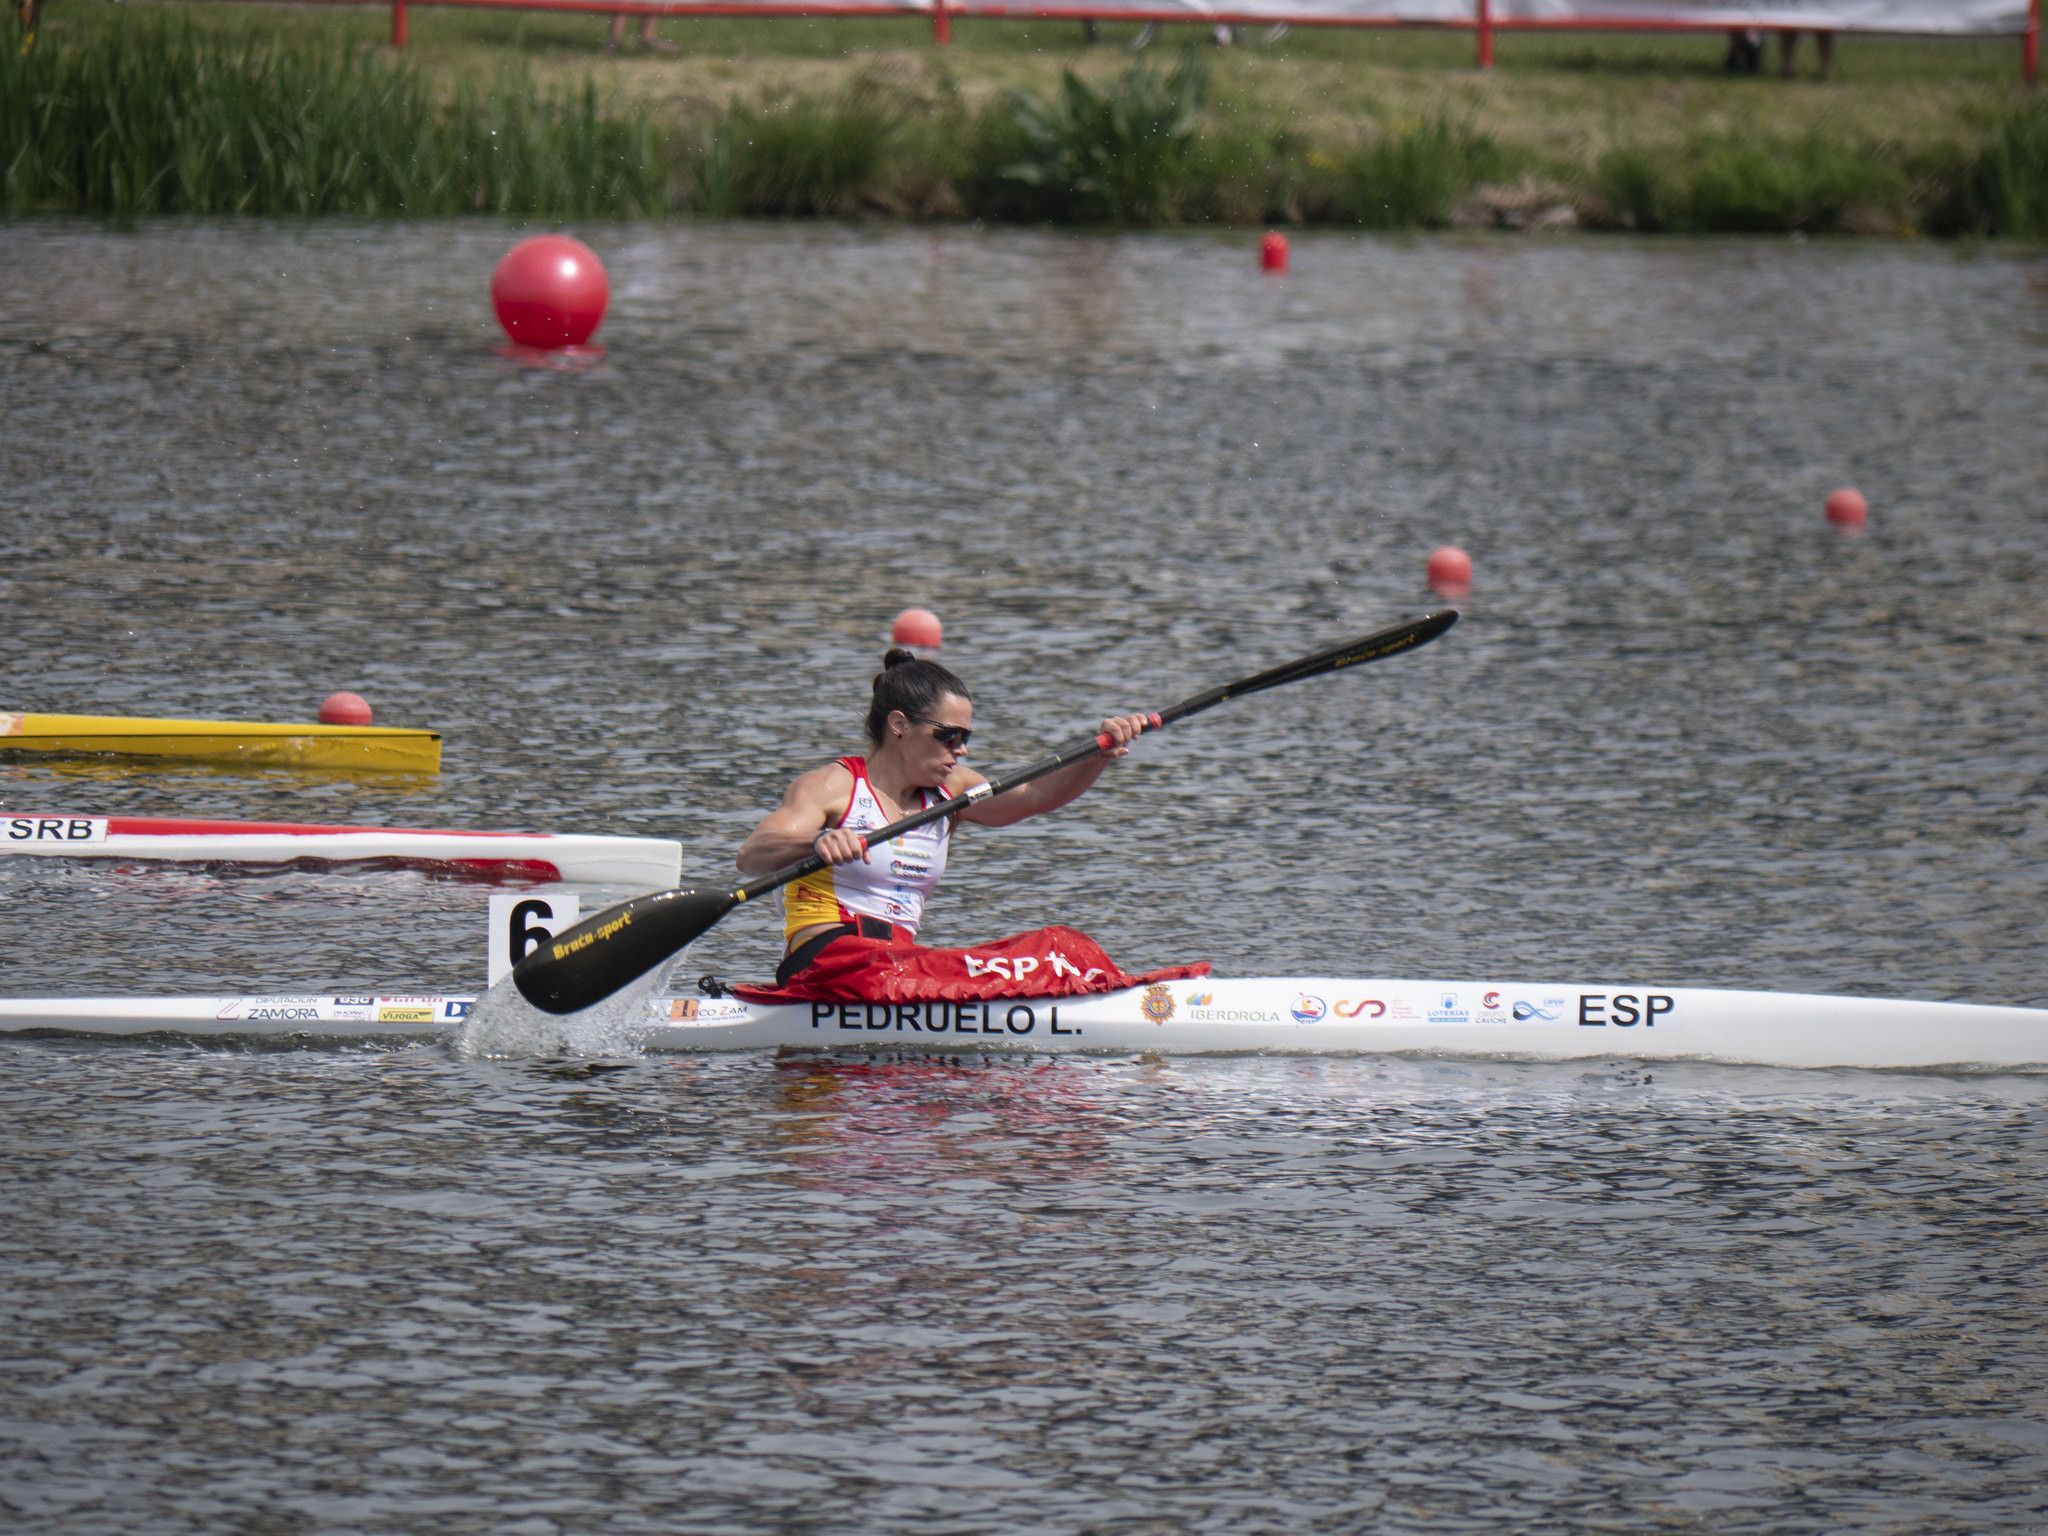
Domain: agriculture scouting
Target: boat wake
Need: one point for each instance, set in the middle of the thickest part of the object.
(505, 1026)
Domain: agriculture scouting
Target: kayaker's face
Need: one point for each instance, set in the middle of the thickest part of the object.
(935, 742)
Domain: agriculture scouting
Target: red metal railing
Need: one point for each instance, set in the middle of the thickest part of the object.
(1483, 22)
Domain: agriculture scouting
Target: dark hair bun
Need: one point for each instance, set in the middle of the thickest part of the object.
(897, 657)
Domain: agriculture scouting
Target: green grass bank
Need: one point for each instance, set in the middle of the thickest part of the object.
(175, 106)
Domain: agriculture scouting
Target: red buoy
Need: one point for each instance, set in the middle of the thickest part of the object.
(1847, 508)
(917, 626)
(1273, 252)
(1450, 571)
(344, 709)
(550, 292)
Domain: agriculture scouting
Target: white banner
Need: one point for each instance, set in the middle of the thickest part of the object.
(1457, 13)
(1951, 17)
(1957, 17)
(1948, 16)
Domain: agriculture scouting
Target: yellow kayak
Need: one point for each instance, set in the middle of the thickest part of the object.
(224, 741)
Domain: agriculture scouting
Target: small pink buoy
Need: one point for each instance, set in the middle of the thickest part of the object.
(1847, 508)
(344, 709)
(550, 292)
(917, 626)
(1450, 571)
(1273, 252)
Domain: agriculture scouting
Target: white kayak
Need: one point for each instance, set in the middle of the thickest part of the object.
(1546, 1021)
(642, 863)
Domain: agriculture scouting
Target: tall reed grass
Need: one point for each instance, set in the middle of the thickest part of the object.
(1412, 177)
(2003, 190)
(1753, 181)
(1119, 154)
(878, 146)
(156, 117)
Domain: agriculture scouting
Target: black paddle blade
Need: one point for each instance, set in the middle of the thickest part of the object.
(586, 965)
(1379, 645)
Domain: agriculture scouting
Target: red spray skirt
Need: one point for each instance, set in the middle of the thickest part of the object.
(1045, 962)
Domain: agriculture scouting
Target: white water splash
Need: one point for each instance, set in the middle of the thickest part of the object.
(504, 1025)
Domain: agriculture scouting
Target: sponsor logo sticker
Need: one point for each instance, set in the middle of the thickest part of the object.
(1157, 1004)
(1449, 1009)
(1213, 1015)
(272, 1010)
(698, 1010)
(1308, 1009)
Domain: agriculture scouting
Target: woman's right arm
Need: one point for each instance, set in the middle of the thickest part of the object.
(806, 819)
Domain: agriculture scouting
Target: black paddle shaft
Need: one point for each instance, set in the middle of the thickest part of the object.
(601, 954)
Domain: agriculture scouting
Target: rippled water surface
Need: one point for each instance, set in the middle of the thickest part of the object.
(1685, 733)
(392, 1292)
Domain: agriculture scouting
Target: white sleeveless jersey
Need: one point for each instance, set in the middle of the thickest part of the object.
(891, 883)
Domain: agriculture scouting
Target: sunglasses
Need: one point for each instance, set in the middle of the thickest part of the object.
(951, 737)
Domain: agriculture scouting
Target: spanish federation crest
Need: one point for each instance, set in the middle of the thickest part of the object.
(1158, 1003)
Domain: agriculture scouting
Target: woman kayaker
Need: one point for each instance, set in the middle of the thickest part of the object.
(918, 724)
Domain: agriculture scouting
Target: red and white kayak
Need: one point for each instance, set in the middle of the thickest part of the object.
(642, 863)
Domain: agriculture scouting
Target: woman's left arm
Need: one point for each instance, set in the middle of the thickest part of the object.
(1055, 789)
